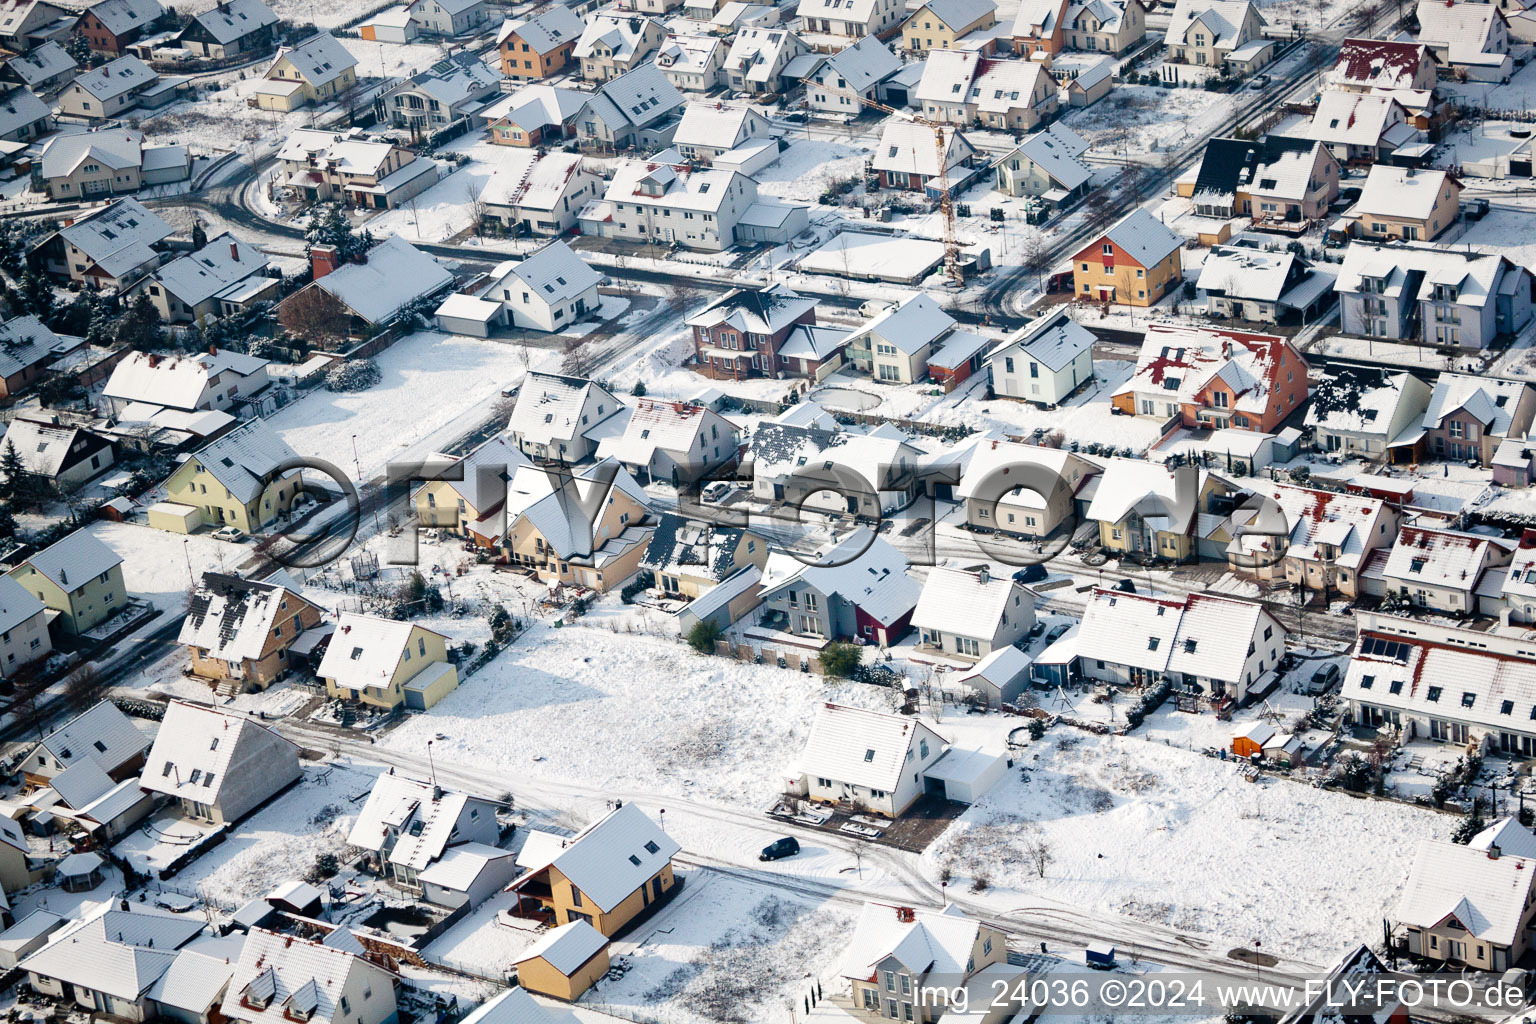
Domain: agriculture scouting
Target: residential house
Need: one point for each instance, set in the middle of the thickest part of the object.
(1149, 510)
(1406, 204)
(1046, 165)
(709, 129)
(853, 19)
(548, 290)
(468, 490)
(676, 443)
(759, 57)
(938, 24)
(86, 796)
(65, 456)
(690, 558)
(455, 87)
(1040, 27)
(692, 62)
(383, 663)
(905, 964)
(101, 735)
(907, 157)
(315, 71)
(1203, 35)
(41, 68)
(109, 26)
(864, 592)
(1514, 463)
(219, 379)
(554, 415)
(1361, 410)
(1135, 263)
(1263, 286)
(282, 978)
(1372, 65)
(1215, 378)
(1359, 128)
(109, 90)
(27, 348)
(961, 87)
(1021, 490)
(359, 171)
(538, 46)
(534, 115)
(1472, 39)
(863, 71)
(616, 42)
(23, 627)
(376, 287)
(18, 868)
(238, 632)
(969, 613)
(1105, 26)
(407, 826)
(230, 28)
(635, 110)
(539, 195)
(79, 578)
(1432, 293)
(1469, 416)
(1314, 539)
(1471, 904)
(1518, 591)
(742, 333)
(586, 528)
(603, 877)
(247, 478)
(829, 471)
(1440, 570)
(1274, 179)
(1045, 362)
(224, 277)
(1219, 647)
(110, 959)
(448, 17)
(873, 761)
(107, 162)
(563, 964)
(894, 347)
(25, 24)
(192, 990)
(220, 765)
(108, 248)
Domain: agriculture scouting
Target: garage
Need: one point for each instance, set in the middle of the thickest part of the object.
(468, 315)
(964, 775)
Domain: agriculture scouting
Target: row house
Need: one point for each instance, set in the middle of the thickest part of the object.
(1439, 295)
(963, 88)
(852, 19)
(1315, 539)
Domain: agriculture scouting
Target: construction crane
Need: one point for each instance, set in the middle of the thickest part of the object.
(946, 202)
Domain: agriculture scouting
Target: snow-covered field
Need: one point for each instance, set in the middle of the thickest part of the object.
(804, 170)
(1144, 118)
(160, 567)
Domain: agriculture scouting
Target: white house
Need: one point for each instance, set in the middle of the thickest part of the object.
(871, 760)
(23, 117)
(539, 195)
(101, 734)
(673, 442)
(851, 18)
(220, 380)
(969, 613)
(961, 87)
(555, 416)
(1440, 570)
(634, 110)
(1469, 37)
(448, 17)
(110, 89)
(220, 766)
(710, 129)
(1045, 362)
(616, 41)
(408, 825)
(692, 62)
(110, 248)
(223, 277)
(855, 72)
(549, 290)
(282, 978)
(23, 627)
(1362, 409)
(758, 56)
(110, 960)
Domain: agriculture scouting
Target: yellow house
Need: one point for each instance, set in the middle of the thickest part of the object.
(586, 529)
(1145, 508)
(1405, 203)
(387, 664)
(939, 23)
(245, 479)
(604, 877)
(472, 505)
(565, 962)
(315, 71)
(903, 964)
(689, 558)
(79, 578)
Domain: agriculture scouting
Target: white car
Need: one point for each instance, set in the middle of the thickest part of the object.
(233, 534)
(716, 491)
(872, 308)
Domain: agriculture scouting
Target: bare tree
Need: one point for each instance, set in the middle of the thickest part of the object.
(1099, 211)
(1038, 850)
(1363, 18)
(314, 314)
(1035, 255)
(1132, 184)
(84, 688)
(477, 208)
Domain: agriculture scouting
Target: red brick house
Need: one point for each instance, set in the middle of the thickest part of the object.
(743, 333)
(111, 26)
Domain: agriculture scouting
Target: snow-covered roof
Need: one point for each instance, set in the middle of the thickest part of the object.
(1486, 895)
(421, 816)
(1197, 634)
(39, 64)
(366, 650)
(1165, 498)
(864, 65)
(969, 603)
(246, 459)
(122, 16)
(116, 148)
(1492, 401)
(1259, 274)
(808, 341)
(1412, 272)
(915, 324)
(1403, 191)
(613, 857)
(1003, 665)
(117, 78)
(909, 148)
(1464, 31)
(640, 97)
(1442, 558)
(536, 106)
(620, 32)
(223, 262)
(1378, 63)
(25, 342)
(1180, 361)
(232, 619)
(935, 943)
(864, 570)
(554, 273)
(1142, 237)
(1353, 118)
(285, 978)
(859, 12)
(1224, 19)
(1055, 150)
(395, 274)
(672, 427)
(119, 952)
(235, 19)
(754, 310)
(525, 180)
(673, 185)
(118, 237)
(193, 981)
(863, 747)
(1351, 398)
(101, 733)
(1299, 519)
(516, 1006)
(690, 54)
(74, 560)
(997, 86)
(17, 604)
(459, 866)
(565, 512)
(714, 125)
(455, 80)
(1108, 14)
(20, 107)
(758, 52)
(194, 749)
(551, 407)
(319, 59)
(567, 947)
(546, 30)
(1055, 340)
(44, 448)
(480, 481)
(957, 14)
(176, 381)
(1508, 835)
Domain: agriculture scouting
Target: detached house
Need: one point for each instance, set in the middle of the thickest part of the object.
(223, 277)
(407, 826)
(376, 287)
(1045, 362)
(108, 161)
(111, 959)
(42, 68)
(637, 110)
(1022, 490)
(472, 492)
(549, 290)
(230, 28)
(903, 964)
(615, 42)
(219, 379)
(102, 735)
(220, 766)
(23, 627)
(1262, 286)
(689, 559)
(538, 46)
(387, 664)
(456, 86)
(962, 87)
(759, 57)
(1369, 65)
(708, 130)
(282, 978)
(315, 71)
(1317, 540)
(853, 19)
(27, 348)
(79, 579)
(448, 17)
(1471, 904)
(674, 443)
(1359, 128)
(247, 479)
(238, 632)
(1105, 26)
(692, 62)
(741, 334)
(1274, 179)
(1470, 38)
(1148, 509)
(969, 613)
(866, 70)
(110, 26)
(586, 528)
(938, 24)
(1469, 416)
(1406, 204)
(534, 114)
(1432, 293)
(110, 89)
(1361, 410)
(857, 474)
(26, 24)
(358, 171)
(1215, 378)
(1135, 263)
(865, 592)
(895, 346)
(1440, 570)
(1219, 37)
(1046, 165)
(603, 876)
(108, 248)
(554, 415)
(872, 761)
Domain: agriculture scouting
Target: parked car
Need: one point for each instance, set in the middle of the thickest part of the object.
(1030, 574)
(1124, 586)
(872, 308)
(780, 848)
(1057, 631)
(716, 491)
(233, 534)
(1323, 679)
(1037, 629)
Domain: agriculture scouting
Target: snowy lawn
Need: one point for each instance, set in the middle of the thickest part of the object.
(1141, 118)
(1167, 836)
(805, 170)
(160, 567)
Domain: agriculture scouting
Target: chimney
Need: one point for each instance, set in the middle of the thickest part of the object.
(985, 575)
(213, 350)
(322, 260)
(1494, 851)
(234, 250)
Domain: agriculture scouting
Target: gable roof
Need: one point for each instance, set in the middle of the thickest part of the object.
(1181, 361)
(1357, 119)
(962, 602)
(864, 64)
(1198, 634)
(119, 236)
(639, 97)
(909, 148)
(550, 407)
(516, 1006)
(198, 746)
(293, 974)
(1379, 63)
(201, 275)
(1142, 237)
(918, 321)
(1359, 398)
(176, 381)
(483, 473)
(37, 65)
(116, 78)
(965, 76)
(1295, 520)
(554, 272)
(319, 59)
(936, 942)
(1464, 30)
(758, 52)
(247, 459)
(232, 618)
(1166, 498)
(395, 275)
(235, 19)
(1402, 191)
(101, 733)
(622, 32)
(862, 747)
(864, 570)
(122, 16)
(365, 650)
(17, 604)
(1491, 400)
(1055, 340)
(714, 125)
(74, 560)
(1442, 558)
(754, 310)
(958, 14)
(119, 952)
(672, 427)
(1487, 896)
(24, 342)
(613, 857)
(421, 815)
(546, 30)
(1224, 19)
(567, 947)
(682, 545)
(536, 106)
(1274, 164)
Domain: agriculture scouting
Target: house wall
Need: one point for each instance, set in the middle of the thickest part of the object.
(191, 485)
(77, 101)
(434, 19)
(264, 763)
(923, 32)
(895, 988)
(1086, 32)
(1016, 374)
(95, 179)
(1097, 276)
(1442, 216)
(567, 909)
(24, 643)
(84, 606)
(537, 975)
(284, 71)
(520, 61)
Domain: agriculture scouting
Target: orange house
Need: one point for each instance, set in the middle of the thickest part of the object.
(1134, 263)
(1040, 25)
(534, 48)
